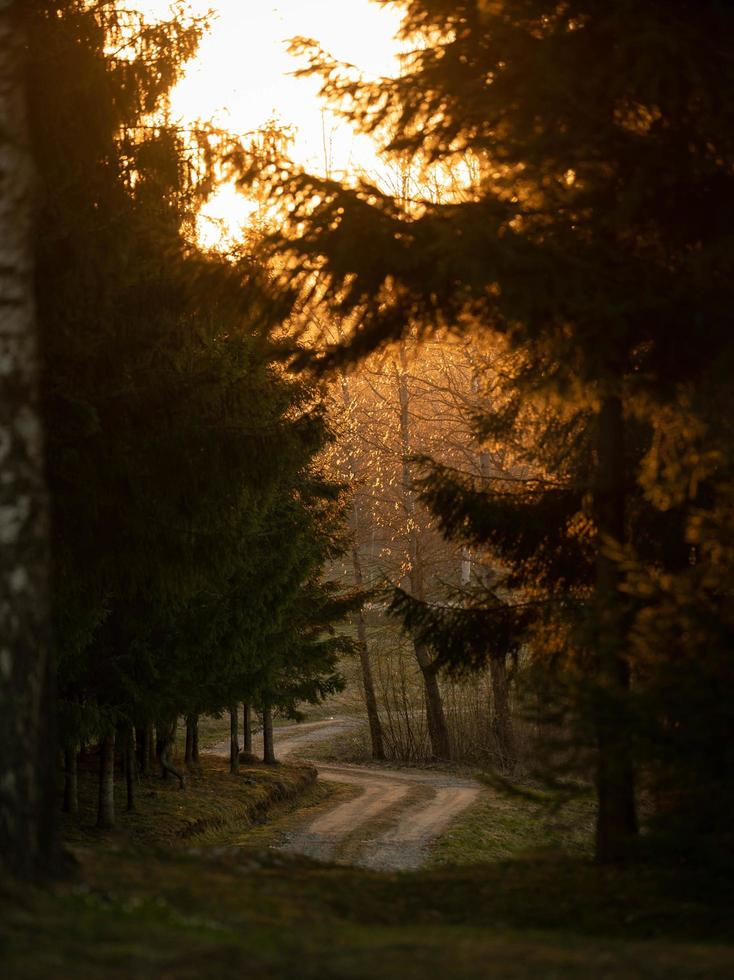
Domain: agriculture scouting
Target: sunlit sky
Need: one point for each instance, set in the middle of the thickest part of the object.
(241, 79)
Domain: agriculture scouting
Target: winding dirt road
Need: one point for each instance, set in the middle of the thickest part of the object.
(391, 821)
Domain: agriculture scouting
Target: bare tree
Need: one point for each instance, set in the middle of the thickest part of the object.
(368, 684)
(437, 728)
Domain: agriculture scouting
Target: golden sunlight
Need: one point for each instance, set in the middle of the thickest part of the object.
(367, 536)
(242, 78)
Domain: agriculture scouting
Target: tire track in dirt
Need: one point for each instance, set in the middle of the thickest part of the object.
(390, 824)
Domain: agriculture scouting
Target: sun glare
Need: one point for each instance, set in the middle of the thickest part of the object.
(242, 78)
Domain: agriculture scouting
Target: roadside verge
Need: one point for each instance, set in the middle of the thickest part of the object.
(214, 803)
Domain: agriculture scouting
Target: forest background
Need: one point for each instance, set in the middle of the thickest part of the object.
(529, 470)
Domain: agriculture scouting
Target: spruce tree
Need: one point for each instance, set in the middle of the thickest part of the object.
(180, 451)
(595, 241)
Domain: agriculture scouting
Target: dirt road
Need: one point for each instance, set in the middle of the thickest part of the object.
(391, 821)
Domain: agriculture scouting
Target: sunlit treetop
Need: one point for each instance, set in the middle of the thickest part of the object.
(242, 79)
(603, 142)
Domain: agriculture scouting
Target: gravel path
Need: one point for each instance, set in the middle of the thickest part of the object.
(391, 822)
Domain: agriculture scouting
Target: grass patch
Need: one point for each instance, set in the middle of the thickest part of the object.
(272, 831)
(215, 731)
(214, 801)
(212, 731)
(171, 894)
(185, 916)
(347, 745)
(500, 827)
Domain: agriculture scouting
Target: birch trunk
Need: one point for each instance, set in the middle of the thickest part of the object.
(27, 740)
(465, 568)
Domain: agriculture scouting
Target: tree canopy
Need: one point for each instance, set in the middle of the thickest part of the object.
(594, 146)
(191, 521)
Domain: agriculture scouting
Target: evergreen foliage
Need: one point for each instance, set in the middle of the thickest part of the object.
(190, 522)
(596, 242)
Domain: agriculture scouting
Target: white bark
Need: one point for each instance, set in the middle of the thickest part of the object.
(25, 833)
(465, 566)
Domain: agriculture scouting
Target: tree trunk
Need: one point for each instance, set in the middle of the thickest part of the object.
(71, 794)
(368, 684)
(234, 741)
(130, 767)
(501, 717)
(465, 567)
(436, 719)
(268, 745)
(368, 688)
(437, 728)
(27, 738)
(106, 800)
(166, 735)
(192, 740)
(247, 728)
(189, 743)
(160, 745)
(151, 747)
(616, 818)
(141, 749)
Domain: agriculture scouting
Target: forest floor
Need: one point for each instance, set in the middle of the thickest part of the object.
(232, 911)
(184, 888)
